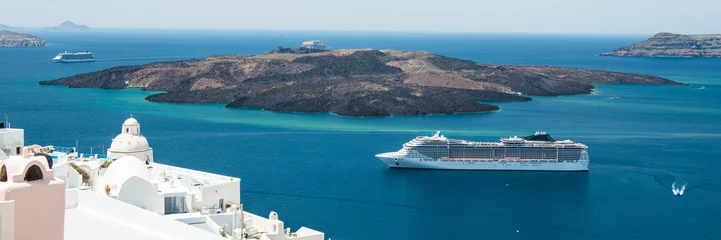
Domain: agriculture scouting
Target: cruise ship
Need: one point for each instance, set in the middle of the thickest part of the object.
(68, 57)
(537, 152)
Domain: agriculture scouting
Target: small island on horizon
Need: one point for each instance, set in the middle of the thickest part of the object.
(68, 25)
(674, 46)
(351, 82)
(14, 39)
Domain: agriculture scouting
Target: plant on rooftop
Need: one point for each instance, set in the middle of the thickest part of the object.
(106, 164)
(223, 232)
(107, 189)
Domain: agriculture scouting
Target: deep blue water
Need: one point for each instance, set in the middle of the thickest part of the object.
(318, 170)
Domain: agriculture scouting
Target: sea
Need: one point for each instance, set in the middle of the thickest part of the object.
(319, 170)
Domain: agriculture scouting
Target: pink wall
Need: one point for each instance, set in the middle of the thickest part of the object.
(39, 205)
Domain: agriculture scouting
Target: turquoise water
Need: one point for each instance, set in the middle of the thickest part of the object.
(318, 170)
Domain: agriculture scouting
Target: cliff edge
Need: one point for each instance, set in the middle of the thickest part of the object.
(13, 39)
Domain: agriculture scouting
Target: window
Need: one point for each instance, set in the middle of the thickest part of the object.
(174, 205)
(17, 151)
(168, 204)
(34, 173)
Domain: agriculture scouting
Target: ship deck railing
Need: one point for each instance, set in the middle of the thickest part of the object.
(500, 159)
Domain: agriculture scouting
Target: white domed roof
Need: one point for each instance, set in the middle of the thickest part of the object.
(131, 122)
(124, 168)
(129, 143)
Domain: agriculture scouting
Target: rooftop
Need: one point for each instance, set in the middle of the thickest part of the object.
(94, 216)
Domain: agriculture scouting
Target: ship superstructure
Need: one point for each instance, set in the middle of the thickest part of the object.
(68, 57)
(535, 152)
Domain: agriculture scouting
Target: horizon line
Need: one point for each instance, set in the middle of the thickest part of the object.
(338, 30)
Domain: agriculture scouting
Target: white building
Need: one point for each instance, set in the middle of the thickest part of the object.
(314, 44)
(11, 142)
(135, 199)
(130, 143)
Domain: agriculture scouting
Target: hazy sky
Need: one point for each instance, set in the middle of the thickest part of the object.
(546, 16)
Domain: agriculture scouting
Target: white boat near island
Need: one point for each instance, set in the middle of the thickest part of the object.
(314, 44)
(122, 195)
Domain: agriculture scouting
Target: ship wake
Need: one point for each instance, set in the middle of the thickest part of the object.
(142, 58)
(678, 186)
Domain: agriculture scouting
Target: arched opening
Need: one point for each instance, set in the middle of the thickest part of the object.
(3, 174)
(127, 130)
(34, 173)
(48, 158)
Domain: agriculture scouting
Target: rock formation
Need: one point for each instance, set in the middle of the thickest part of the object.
(359, 82)
(13, 39)
(673, 45)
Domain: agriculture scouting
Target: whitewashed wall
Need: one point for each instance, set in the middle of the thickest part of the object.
(68, 174)
(7, 220)
(10, 139)
(138, 155)
(74, 179)
(228, 191)
(141, 193)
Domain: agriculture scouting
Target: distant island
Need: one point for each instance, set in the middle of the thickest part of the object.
(5, 27)
(357, 82)
(68, 25)
(13, 39)
(673, 45)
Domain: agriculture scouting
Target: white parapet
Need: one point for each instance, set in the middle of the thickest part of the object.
(7, 220)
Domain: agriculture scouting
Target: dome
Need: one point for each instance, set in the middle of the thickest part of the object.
(124, 168)
(129, 143)
(131, 122)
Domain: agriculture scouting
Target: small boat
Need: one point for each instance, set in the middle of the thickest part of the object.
(677, 191)
(615, 97)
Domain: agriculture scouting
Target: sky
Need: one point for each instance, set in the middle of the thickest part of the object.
(524, 16)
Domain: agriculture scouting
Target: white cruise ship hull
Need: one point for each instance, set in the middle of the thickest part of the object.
(73, 61)
(395, 161)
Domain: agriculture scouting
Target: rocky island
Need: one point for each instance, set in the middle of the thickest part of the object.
(673, 45)
(359, 82)
(13, 39)
(68, 25)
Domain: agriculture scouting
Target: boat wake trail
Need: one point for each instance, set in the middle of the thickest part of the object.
(142, 58)
(678, 187)
(663, 179)
(700, 88)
